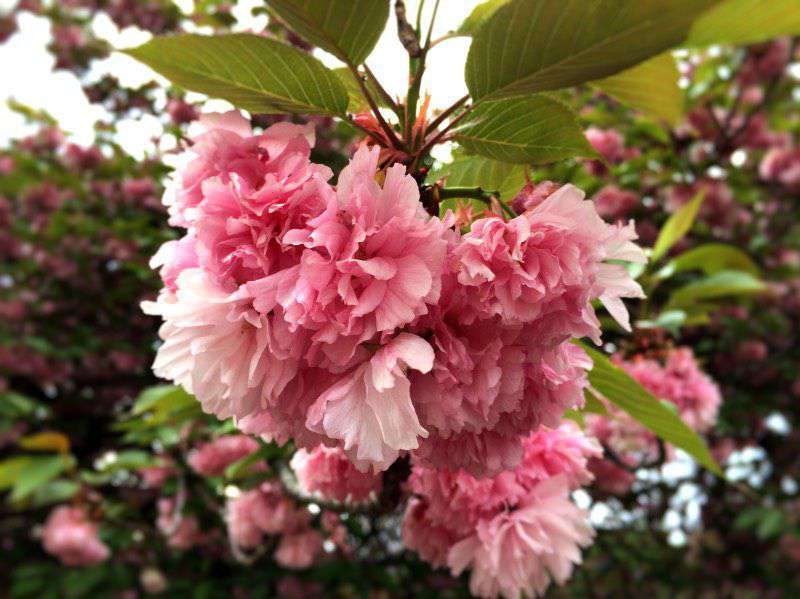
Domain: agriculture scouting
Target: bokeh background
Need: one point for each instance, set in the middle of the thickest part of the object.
(89, 135)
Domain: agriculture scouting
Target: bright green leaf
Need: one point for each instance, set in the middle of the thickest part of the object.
(479, 15)
(11, 468)
(528, 46)
(533, 130)
(721, 284)
(593, 405)
(746, 22)
(55, 491)
(250, 71)
(348, 29)
(37, 472)
(476, 171)
(627, 394)
(676, 227)
(651, 86)
(710, 258)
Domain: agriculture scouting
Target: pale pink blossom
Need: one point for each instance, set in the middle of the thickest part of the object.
(533, 194)
(298, 550)
(72, 537)
(213, 457)
(549, 263)
(219, 349)
(154, 477)
(516, 530)
(327, 473)
(372, 263)
(519, 552)
(613, 203)
(782, 165)
(609, 143)
(182, 531)
(677, 379)
(262, 511)
(173, 257)
(369, 410)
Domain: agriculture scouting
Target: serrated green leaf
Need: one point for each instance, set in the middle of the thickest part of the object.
(529, 46)
(623, 391)
(721, 284)
(651, 86)
(710, 258)
(250, 71)
(677, 225)
(746, 22)
(348, 29)
(534, 130)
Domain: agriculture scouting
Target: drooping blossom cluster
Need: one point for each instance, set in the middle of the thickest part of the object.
(267, 511)
(677, 379)
(72, 537)
(212, 458)
(327, 473)
(515, 531)
(349, 317)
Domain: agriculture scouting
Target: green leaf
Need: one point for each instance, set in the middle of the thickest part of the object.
(11, 468)
(479, 15)
(710, 258)
(746, 22)
(651, 86)
(56, 491)
(533, 130)
(37, 472)
(348, 29)
(627, 394)
(476, 171)
(676, 227)
(130, 459)
(529, 46)
(721, 284)
(161, 398)
(250, 71)
(356, 101)
(593, 405)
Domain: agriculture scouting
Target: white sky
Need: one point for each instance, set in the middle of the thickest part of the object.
(30, 79)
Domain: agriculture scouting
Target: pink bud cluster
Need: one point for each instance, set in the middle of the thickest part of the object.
(678, 380)
(72, 537)
(516, 531)
(347, 316)
(267, 511)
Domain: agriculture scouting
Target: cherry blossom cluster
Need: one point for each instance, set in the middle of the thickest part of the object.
(348, 316)
(71, 536)
(516, 531)
(678, 379)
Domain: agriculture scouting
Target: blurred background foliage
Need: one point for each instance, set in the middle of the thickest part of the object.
(83, 419)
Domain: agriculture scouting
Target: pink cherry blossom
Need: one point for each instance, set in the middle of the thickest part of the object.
(372, 263)
(613, 203)
(515, 530)
(327, 473)
(72, 537)
(782, 165)
(549, 263)
(370, 409)
(218, 348)
(521, 551)
(298, 550)
(678, 380)
(262, 511)
(212, 458)
(182, 531)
